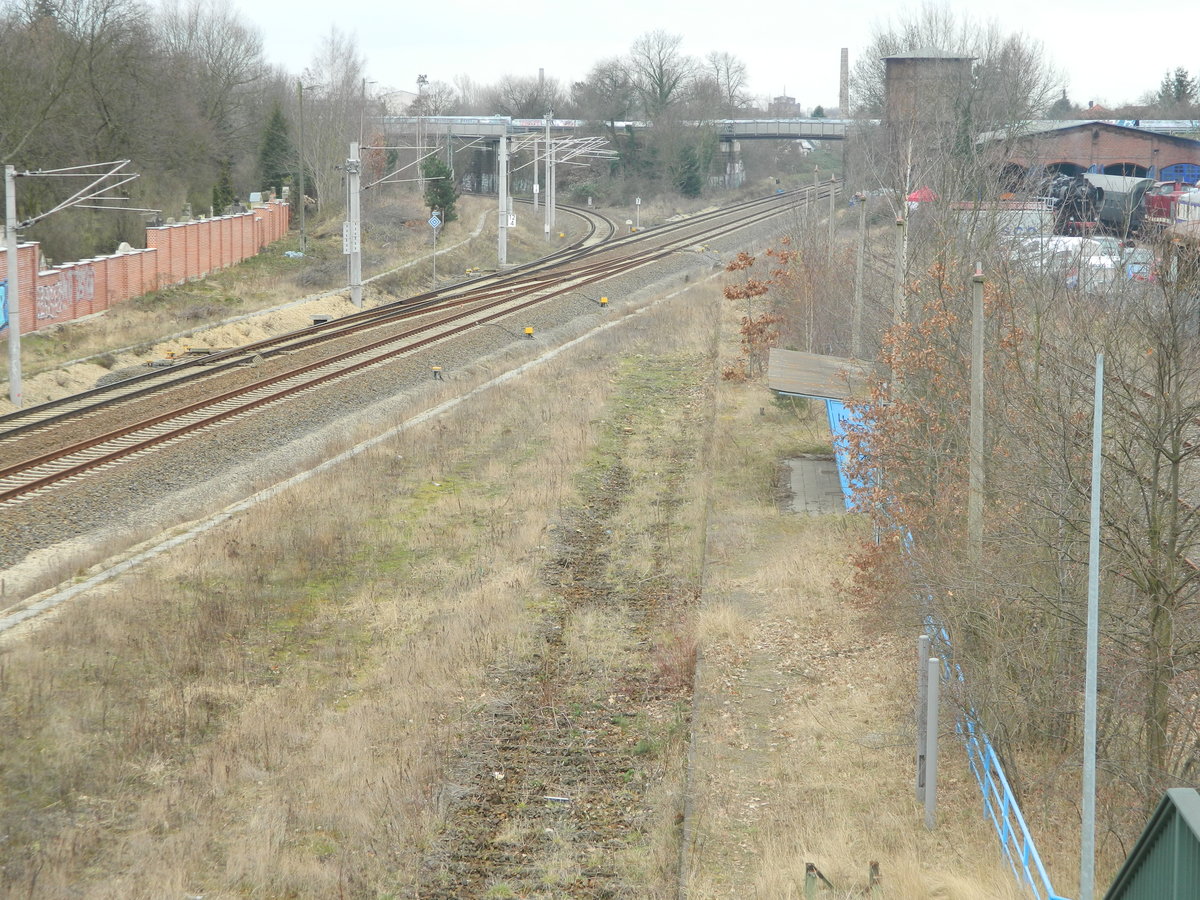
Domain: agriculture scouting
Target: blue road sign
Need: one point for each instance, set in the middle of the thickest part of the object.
(434, 221)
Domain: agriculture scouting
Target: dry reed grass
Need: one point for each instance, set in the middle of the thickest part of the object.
(272, 710)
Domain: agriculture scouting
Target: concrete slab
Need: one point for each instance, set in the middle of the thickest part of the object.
(814, 486)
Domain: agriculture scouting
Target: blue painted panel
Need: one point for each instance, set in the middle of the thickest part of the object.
(840, 420)
(1186, 172)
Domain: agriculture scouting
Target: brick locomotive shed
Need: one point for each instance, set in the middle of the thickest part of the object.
(1104, 147)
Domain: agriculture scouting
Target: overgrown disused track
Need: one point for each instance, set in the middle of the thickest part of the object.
(565, 789)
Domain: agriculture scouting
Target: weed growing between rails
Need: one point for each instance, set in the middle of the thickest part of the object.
(273, 710)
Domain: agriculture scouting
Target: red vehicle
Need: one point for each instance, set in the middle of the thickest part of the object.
(1162, 200)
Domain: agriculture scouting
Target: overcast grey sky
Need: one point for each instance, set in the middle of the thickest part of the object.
(1110, 52)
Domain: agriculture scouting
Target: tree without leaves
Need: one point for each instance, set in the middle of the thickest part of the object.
(524, 97)
(728, 73)
(222, 60)
(333, 112)
(661, 72)
(435, 99)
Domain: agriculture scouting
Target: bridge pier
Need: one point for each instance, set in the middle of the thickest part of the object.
(735, 170)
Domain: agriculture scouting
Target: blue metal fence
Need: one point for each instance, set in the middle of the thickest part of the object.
(999, 804)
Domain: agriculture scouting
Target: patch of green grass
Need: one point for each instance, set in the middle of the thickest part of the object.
(645, 747)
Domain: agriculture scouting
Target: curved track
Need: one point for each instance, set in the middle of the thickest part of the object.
(49, 445)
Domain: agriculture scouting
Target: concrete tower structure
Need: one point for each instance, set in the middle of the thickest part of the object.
(923, 95)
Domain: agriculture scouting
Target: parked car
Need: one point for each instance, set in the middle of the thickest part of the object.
(1078, 262)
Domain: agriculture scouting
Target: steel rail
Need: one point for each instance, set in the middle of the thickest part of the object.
(495, 302)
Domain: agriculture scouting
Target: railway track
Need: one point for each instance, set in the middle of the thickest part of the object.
(443, 314)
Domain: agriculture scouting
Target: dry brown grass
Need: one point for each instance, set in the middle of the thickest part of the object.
(804, 734)
(271, 711)
(288, 707)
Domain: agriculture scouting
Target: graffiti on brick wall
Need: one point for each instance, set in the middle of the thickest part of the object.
(57, 300)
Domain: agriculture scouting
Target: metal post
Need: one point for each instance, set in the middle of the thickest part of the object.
(502, 187)
(975, 476)
(637, 214)
(1087, 842)
(832, 216)
(899, 313)
(553, 201)
(12, 294)
(300, 175)
(547, 173)
(535, 177)
(922, 701)
(931, 743)
(353, 170)
(549, 216)
(421, 82)
(856, 328)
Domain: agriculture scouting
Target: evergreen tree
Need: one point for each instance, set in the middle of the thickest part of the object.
(1062, 108)
(277, 155)
(688, 177)
(818, 112)
(440, 193)
(1177, 88)
(223, 194)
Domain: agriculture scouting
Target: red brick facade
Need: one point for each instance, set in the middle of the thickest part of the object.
(1097, 146)
(173, 254)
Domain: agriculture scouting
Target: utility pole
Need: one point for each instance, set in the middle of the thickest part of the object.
(12, 293)
(106, 178)
(975, 477)
(1087, 840)
(421, 82)
(549, 174)
(856, 329)
(535, 177)
(301, 167)
(832, 216)
(502, 187)
(353, 235)
(899, 313)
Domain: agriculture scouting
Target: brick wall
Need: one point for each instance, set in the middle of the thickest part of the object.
(173, 254)
(1100, 144)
